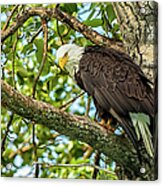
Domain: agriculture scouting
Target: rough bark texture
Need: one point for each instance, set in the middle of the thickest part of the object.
(139, 28)
(115, 147)
(138, 25)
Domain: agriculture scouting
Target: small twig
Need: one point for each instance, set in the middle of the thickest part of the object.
(45, 30)
(97, 154)
(46, 145)
(9, 18)
(23, 149)
(68, 30)
(66, 105)
(36, 34)
(47, 165)
(89, 149)
(59, 34)
(57, 5)
(96, 163)
(51, 139)
(34, 145)
(6, 133)
(88, 152)
(29, 173)
(13, 59)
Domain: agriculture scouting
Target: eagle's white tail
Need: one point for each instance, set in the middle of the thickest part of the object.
(141, 124)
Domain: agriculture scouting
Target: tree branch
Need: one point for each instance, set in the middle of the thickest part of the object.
(45, 30)
(66, 105)
(36, 34)
(71, 21)
(6, 133)
(117, 148)
(47, 165)
(9, 18)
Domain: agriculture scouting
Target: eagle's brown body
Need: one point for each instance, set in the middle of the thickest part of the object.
(117, 85)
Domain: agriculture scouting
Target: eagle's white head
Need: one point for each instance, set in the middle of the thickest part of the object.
(68, 57)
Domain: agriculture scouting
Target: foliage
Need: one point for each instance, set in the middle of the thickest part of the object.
(21, 59)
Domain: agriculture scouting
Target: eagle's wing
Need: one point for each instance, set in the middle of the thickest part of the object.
(117, 85)
(119, 82)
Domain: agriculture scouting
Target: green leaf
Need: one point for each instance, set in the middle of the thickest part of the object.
(110, 12)
(7, 152)
(62, 28)
(22, 72)
(46, 68)
(69, 8)
(39, 43)
(16, 127)
(93, 22)
(27, 48)
(116, 27)
(93, 5)
(91, 14)
(60, 148)
(105, 24)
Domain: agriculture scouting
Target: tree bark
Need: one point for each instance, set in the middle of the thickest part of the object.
(139, 28)
(138, 24)
(117, 148)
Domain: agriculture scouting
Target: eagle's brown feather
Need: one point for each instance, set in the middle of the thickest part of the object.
(116, 83)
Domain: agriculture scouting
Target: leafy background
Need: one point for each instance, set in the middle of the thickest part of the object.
(21, 58)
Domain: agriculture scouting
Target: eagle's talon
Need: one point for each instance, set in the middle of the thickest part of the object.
(102, 123)
(109, 127)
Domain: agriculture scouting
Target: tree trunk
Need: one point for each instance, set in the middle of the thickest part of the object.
(138, 25)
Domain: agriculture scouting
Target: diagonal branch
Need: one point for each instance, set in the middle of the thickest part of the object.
(45, 30)
(117, 148)
(71, 21)
(10, 17)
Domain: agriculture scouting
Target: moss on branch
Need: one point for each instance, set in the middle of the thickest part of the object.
(115, 147)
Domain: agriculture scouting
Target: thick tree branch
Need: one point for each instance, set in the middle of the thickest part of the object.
(117, 148)
(65, 18)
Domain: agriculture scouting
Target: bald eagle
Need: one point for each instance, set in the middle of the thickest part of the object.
(117, 85)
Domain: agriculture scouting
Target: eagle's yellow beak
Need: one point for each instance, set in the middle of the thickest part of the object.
(63, 61)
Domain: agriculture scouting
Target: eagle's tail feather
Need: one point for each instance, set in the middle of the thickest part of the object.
(129, 129)
(141, 125)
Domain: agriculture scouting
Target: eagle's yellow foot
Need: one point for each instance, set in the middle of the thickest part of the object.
(102, 122)
(108, 125)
